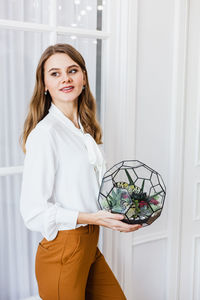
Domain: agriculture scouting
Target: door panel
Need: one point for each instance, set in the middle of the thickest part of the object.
(190, 237)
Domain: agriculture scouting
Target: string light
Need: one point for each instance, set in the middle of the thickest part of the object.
(89, 7)
(100, 7)
(83, 12)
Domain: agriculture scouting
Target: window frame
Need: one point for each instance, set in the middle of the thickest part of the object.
(54, 30)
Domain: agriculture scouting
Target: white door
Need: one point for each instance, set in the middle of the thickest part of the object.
(190, 233)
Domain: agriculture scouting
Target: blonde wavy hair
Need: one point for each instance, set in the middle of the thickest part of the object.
(40, 103)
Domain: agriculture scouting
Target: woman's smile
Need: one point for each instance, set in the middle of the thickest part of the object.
(67, 89)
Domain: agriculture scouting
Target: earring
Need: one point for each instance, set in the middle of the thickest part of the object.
(45, 93)
(83, 87)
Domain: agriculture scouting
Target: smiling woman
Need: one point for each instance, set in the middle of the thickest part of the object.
(25, 31)
(52, 75)
(63, 170)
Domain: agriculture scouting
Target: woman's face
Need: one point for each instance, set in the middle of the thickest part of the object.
(63, 78)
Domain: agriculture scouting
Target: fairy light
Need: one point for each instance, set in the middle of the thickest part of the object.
(89, 8)
(100, 7)
(83, 13)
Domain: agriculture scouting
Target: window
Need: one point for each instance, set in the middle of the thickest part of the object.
(26, 29)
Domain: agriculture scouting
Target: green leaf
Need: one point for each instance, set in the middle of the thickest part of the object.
(137, 208)
(142, 187)
(114, 194)
(156, 194)
(117, 209)
(105, 204)
(117, 200)
(111, 200)
(129, 177)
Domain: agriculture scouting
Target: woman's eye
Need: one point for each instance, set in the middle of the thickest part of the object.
(55, 74)
(73, 71)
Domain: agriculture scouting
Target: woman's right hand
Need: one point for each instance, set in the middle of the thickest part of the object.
(113, 221)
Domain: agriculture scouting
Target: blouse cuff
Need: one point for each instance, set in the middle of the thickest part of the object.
(50, 226)
(67, 217)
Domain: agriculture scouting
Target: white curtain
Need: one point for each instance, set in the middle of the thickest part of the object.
(18, 244)
(19, 54)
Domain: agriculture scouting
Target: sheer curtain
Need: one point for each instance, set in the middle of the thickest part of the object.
(17, 79)
(19, 54)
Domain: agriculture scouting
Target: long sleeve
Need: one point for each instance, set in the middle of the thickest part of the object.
(37, 205)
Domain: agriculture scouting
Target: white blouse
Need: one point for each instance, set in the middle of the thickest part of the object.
(63, 170)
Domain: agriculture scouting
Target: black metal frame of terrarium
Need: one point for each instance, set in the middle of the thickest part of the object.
(133, 189)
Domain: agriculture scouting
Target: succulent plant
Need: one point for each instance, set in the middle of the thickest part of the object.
(139, 199)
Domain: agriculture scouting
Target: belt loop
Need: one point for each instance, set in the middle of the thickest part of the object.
(91, 229)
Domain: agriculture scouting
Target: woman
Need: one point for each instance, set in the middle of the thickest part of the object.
(63, 168)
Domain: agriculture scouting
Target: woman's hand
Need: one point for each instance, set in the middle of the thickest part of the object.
(107, 219)
(113, 221)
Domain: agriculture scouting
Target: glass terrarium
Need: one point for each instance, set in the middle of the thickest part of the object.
(133, 189)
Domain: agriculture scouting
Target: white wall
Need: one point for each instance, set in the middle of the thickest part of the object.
(145, 116)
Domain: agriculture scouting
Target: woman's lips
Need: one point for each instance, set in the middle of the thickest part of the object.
(67, 90)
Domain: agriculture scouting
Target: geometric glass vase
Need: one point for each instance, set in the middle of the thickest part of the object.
(133, 189)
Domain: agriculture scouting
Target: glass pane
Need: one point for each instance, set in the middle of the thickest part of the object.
(19, 55)
(37, 11)
(81, 13)
(91, 50)
(19, 245)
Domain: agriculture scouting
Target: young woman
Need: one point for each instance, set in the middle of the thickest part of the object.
(63, 168)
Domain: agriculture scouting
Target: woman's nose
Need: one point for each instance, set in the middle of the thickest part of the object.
(66, 78)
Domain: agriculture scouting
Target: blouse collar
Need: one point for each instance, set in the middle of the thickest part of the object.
(58, 113)
(95, 155)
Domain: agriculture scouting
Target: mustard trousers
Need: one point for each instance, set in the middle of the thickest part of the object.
(71, 267)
